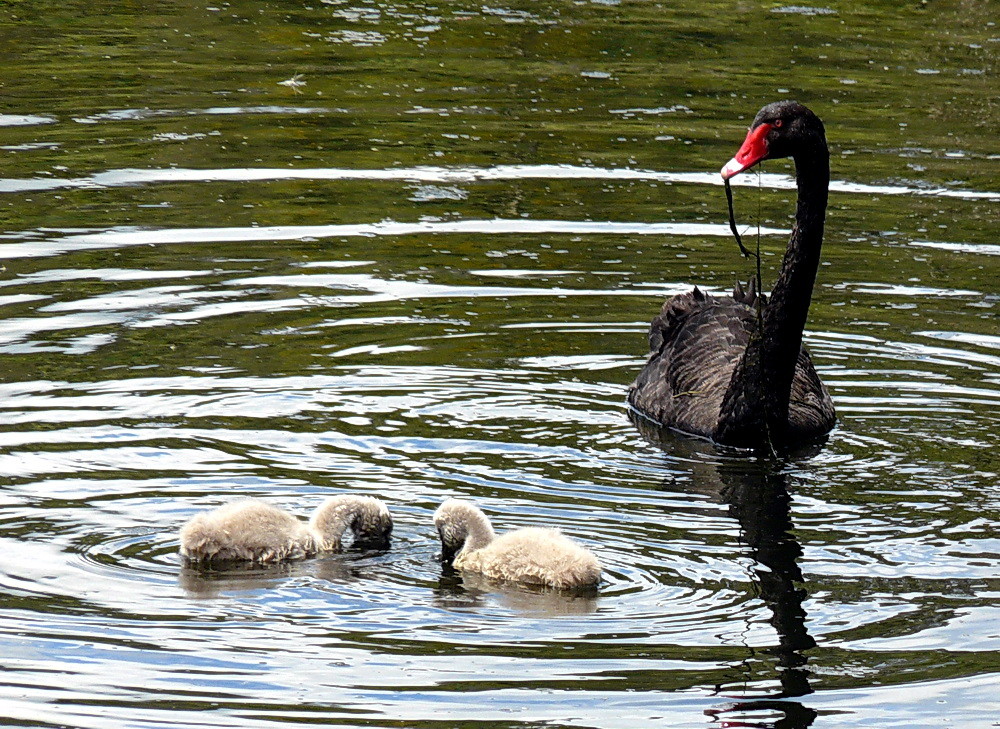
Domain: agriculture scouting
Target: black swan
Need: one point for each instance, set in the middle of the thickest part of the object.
(734, 369)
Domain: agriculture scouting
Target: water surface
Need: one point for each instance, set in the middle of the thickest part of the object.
(411, 251)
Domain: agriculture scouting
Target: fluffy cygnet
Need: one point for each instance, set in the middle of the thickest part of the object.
(531, 556)
(251, 530)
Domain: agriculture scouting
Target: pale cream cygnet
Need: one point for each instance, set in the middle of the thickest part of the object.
(251, 530)
(530, 556)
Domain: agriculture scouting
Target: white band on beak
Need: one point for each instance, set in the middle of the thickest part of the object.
(732, 167)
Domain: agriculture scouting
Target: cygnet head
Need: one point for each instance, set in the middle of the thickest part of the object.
(463, 527)
(367, 518)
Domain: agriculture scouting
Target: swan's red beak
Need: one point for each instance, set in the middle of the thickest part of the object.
(754, 149)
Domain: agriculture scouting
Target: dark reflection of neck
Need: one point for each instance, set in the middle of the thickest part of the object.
(756, 492)
(758, 499)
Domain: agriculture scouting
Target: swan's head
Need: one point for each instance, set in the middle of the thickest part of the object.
(372, 525)
(462, 527)
(367, 518)
(781, 129)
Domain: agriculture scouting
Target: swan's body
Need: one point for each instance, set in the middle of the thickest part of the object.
(530, 556)
(251, 530)
(733, 369)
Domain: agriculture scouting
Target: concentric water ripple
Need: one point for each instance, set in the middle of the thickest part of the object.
(676, 562)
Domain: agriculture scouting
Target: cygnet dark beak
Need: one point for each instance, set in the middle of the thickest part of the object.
(447, 553)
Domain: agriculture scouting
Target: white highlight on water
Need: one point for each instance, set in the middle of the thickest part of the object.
(126, 177)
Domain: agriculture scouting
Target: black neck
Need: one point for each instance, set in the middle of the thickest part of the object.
(754, 409)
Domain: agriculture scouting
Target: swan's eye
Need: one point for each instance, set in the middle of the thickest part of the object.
(778, 123)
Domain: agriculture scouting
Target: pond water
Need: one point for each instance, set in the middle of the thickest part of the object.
(411, 250)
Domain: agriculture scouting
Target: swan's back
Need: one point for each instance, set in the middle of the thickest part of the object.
(249, 531)
(534, 556)
(695, 344)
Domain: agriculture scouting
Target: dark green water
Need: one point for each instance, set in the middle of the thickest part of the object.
(293, 249)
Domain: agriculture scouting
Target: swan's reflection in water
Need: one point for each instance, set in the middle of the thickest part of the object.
(201, 582)
(468, 590)
(756, 492)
